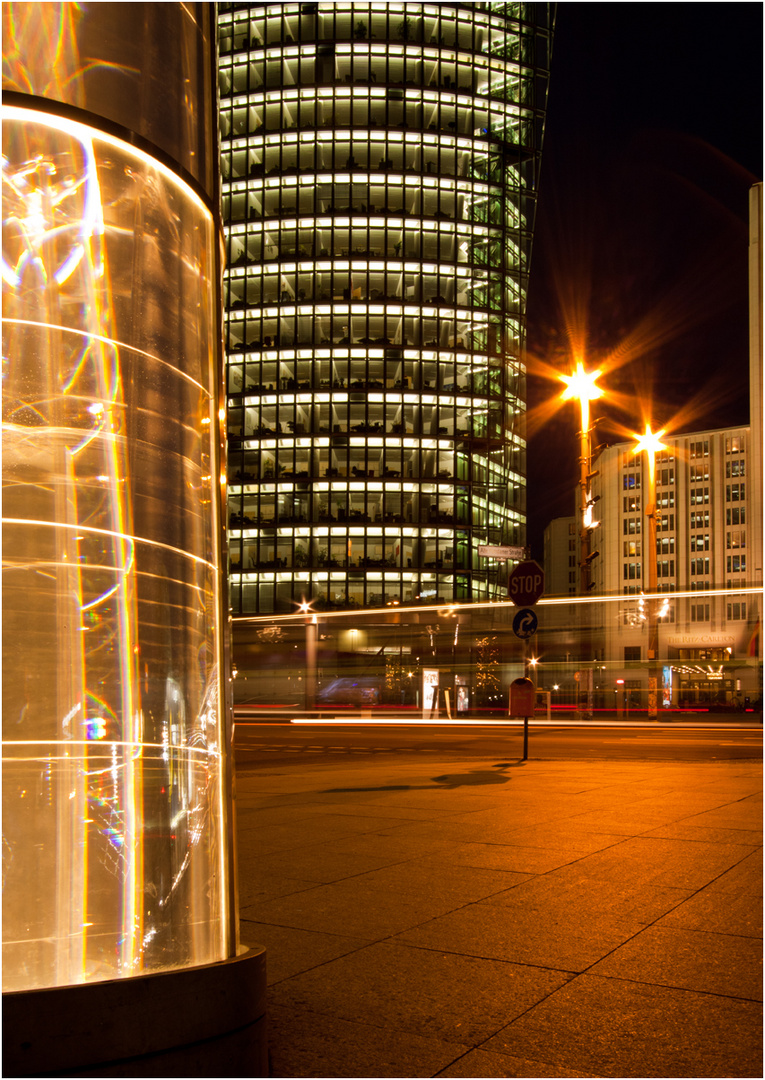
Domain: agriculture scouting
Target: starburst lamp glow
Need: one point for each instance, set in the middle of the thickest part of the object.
(651, 443)
(581, 386)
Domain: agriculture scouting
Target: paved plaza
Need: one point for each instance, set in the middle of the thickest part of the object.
(494, 918)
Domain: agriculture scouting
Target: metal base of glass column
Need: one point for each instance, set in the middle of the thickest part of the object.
(200, 1021)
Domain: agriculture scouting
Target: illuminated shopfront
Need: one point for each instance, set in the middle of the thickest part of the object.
(380, 164)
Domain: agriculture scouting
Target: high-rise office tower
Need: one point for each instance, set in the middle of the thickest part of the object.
(380, 168)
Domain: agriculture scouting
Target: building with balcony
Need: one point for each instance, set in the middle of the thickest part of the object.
(380, 168)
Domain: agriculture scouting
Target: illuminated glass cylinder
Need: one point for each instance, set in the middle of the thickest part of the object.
(115, 811)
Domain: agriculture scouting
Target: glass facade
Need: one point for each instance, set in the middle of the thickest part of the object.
(380, 166)
(115, 820)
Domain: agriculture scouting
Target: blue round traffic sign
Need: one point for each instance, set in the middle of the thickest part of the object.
(525, 623)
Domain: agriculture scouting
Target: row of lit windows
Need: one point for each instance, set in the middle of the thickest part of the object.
(369, 507)
(410, 242)
(498, 16)
(366, 160)
(287, 373)
(482, 296)
(244, 122)
(441, 420)
(365, 238)
(422, 158)
(377, 119)
(407, 367)
(446, 26)
(383, 293)
(283, 465)
(363, 200)
(387, 317)
(324, 594)
(271, 333)
(350, 552)
(287, 65)
(431, 196)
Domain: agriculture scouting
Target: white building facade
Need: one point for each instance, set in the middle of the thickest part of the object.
(707, 508)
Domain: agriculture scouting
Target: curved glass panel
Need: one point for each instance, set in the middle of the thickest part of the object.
(112, 739)
(145, 66)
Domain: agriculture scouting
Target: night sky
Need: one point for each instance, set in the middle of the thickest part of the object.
(653, 139)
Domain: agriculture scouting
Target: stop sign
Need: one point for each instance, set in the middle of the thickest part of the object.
(526, 583)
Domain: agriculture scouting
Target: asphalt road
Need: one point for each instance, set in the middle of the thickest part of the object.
(262, 743)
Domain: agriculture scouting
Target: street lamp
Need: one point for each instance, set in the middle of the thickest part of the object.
(581, 387)
(311, 634)
(650, 443)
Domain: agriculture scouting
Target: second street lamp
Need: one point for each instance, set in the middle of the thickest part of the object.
(650, 443)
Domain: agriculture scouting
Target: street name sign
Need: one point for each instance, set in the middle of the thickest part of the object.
(526, 583)
(490, 551)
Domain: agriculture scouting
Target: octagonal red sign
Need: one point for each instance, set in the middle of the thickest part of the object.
(526, 583)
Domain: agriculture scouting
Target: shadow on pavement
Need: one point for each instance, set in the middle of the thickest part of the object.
(447, 782)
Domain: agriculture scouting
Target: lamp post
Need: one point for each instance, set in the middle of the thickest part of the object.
(311, 634)
(581, 386)
(651, 444)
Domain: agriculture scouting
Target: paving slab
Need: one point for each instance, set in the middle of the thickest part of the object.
(547, 935)
(684, 830)
(461, 999)
(610, 1027)
(323, 863)
(566, 898)
(656, 861)
(485, 1063)
(738, 912)
(745, 814)
(291, 951)
(690, 960)
(309, 830)
(306, 1043)
(255, 888)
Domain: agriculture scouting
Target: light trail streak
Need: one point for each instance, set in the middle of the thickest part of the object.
(80, 131)
(87, 743)
(497, 605)
(510, 722)
(115, 535)
(116, 344)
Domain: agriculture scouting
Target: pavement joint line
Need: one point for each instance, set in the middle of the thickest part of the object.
(672, 986)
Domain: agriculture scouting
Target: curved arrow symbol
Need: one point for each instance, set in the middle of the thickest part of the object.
(525, 623)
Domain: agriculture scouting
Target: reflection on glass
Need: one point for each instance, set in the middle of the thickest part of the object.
(112, 853)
